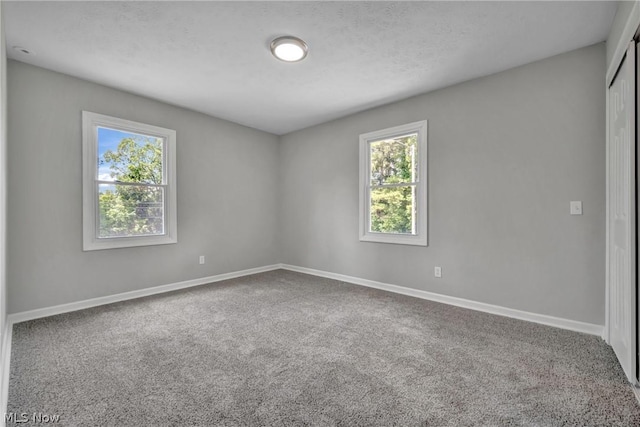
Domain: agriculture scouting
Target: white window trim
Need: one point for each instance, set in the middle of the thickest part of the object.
(90, 211)
(422, 227)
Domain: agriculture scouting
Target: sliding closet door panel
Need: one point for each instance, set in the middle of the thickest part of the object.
(621, 215)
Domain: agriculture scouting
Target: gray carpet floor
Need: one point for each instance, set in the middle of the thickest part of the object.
(288, 349)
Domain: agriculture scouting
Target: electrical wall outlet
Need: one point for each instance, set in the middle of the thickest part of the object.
(437, 271)
(201, 259)
(575, 207)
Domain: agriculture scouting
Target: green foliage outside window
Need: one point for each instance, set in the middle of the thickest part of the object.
(133, 210)
(393, 163)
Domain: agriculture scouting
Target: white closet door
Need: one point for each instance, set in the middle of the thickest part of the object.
(621, 214)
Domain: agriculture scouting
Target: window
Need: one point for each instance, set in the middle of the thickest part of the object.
(393, 185)
(129, 188)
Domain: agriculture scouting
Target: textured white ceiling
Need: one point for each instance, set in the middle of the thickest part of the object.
(214, 57)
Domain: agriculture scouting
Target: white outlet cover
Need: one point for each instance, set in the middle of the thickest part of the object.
(575, 207)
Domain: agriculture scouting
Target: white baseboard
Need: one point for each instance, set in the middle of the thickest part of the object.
(94, 302)
(558, 322)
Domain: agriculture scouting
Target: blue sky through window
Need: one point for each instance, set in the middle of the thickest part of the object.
(108, 140)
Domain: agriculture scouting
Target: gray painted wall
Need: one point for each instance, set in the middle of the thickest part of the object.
(507, 153)
(227, 210)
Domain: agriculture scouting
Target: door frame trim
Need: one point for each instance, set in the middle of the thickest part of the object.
(628, 33)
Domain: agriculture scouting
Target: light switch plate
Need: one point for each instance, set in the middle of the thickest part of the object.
(576, 207)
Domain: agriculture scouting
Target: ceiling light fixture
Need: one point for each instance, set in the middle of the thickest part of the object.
(289, 49)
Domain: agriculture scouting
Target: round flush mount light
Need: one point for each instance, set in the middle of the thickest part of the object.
(289, 49)
(22, 50)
